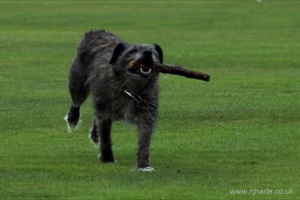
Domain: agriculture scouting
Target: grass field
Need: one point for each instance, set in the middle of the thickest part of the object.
(239, 133)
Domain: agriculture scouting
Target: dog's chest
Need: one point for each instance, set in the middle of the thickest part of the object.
(124, 107)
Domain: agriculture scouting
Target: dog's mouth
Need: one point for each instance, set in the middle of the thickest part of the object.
(142, 67)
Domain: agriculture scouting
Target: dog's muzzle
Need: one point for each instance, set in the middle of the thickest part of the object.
(139, 67)
(143, 65)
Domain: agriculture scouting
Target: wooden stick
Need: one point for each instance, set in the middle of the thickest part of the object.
(172, 69)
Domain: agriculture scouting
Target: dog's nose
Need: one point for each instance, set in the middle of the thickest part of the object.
(147, 53)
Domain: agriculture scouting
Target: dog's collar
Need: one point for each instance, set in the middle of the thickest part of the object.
(137, 98)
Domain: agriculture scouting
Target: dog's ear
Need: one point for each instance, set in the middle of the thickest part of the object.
(119, 49)
(159, 51)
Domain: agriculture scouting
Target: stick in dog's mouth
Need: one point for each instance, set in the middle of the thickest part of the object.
(169, 69)
(135, 65)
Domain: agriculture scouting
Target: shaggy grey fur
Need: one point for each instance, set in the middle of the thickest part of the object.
(101, 68)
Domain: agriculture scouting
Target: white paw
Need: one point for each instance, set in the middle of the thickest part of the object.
(71, 128)
(146, 169)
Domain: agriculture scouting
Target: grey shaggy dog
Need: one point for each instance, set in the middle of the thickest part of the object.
(101, 68)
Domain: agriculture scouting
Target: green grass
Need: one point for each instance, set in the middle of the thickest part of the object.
(240, 131)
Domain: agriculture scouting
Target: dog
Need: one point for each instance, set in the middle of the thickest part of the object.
(101, 67)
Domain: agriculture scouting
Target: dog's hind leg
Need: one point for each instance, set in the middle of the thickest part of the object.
(94, 135)
(79, 92)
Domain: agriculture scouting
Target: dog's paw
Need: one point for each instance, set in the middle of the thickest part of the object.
(109, 158)
(145, 169)
(71, 127)
(95, 139)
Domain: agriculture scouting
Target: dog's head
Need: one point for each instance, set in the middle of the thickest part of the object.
(144, 55)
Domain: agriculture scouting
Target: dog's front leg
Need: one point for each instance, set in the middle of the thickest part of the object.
(144, 138)
(106, 153)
